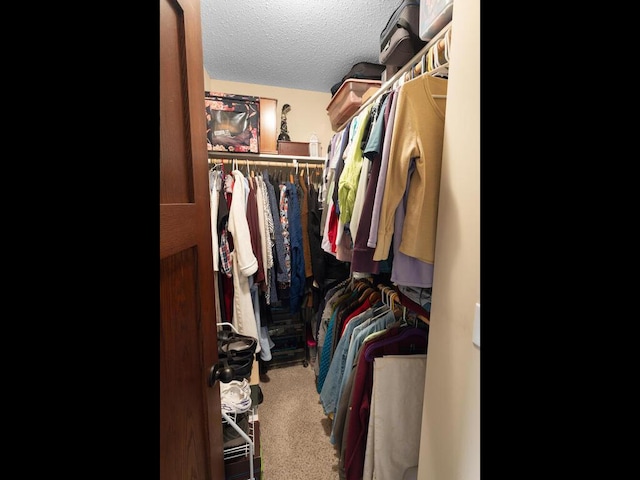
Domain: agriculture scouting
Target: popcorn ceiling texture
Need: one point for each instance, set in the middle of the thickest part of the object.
(302, 44)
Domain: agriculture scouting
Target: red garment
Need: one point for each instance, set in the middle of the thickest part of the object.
(365, 305)
(254, 231)
(332, 232)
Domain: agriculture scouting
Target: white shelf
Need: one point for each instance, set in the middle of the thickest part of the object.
(264, 156)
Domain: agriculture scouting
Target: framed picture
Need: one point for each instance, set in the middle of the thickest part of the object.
(233, 122)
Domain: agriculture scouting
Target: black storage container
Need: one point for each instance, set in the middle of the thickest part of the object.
(287, 330)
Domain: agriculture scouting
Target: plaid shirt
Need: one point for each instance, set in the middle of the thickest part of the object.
(225, 253)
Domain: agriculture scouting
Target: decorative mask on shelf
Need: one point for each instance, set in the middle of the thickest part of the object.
(284, 132)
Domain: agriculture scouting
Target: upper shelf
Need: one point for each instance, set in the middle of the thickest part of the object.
(413, 67)
(264, 156)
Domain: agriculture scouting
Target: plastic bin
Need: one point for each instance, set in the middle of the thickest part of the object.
(434, 16)
(348, 99)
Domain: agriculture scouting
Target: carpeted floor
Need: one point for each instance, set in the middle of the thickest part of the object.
(294, 430)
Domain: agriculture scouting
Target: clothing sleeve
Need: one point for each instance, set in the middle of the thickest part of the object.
(402, 149)
(214, 196)
(372, 241)
(418, 139)
(239, 228)
(350, 176)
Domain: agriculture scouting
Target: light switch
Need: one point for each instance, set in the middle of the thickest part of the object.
(476, 326)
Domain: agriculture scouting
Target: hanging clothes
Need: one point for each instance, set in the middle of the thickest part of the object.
(362, 258)
(244, 261)
(395, 340)
(418, 135)
(297, 269)
(390, 451)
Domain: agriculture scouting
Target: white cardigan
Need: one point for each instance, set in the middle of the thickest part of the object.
(244, 260)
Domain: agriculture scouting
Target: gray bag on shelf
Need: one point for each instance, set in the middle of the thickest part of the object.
(399, 40)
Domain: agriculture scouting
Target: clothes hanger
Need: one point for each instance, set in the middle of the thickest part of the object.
(374, 297)
(385, 307)
(392, 299)
(396, 306)
(418, 310)
(365, 294)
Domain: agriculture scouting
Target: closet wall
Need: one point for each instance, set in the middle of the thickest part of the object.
(450, 441)
(308, 109)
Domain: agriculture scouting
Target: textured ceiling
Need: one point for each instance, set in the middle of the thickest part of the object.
(304, 44)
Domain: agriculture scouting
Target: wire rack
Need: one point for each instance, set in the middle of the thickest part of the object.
(248, 446)
(247, 449)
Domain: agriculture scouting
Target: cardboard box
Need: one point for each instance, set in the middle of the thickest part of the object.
(233, 122)
(293, 148)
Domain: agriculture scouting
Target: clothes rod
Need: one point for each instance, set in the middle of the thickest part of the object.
(263, 163)
(417, 58)
(265, 156)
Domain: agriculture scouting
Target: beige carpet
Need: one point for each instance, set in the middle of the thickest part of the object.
(294, 431)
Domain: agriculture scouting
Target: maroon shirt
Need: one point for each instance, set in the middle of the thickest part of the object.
(395, 341)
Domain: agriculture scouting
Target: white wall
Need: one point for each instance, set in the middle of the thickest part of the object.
(308, 109)
(450, 441)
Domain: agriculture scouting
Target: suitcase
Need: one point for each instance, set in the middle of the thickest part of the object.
(399, 40)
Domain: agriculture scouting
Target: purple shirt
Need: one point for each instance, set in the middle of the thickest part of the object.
(377, 203)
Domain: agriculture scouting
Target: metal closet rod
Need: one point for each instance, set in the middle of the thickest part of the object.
(277, 158)
(265, 163)
(417, 58)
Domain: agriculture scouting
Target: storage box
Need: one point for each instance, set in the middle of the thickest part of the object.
(434, 16)
(293, 148)
(348, 99)
(233, 122)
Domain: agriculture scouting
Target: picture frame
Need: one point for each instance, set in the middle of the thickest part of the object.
(233, 122)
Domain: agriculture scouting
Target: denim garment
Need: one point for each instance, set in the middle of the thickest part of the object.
(274, 204)
(330, 389)
(263, 331)
(327, 346)
(297, 253)
(331, 300)
(325, 359)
